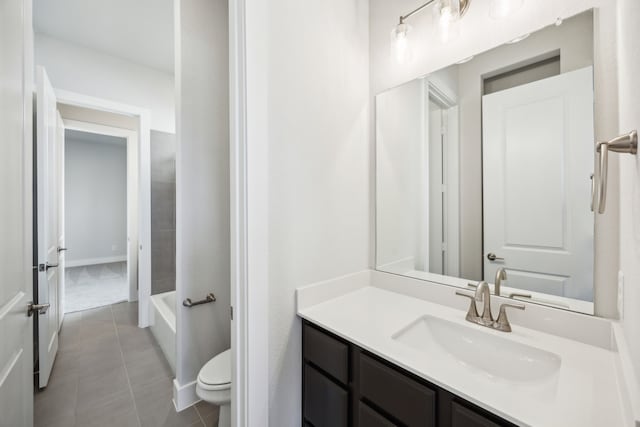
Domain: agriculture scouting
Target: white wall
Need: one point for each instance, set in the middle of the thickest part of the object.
(95, 200)
(629, 70)
(202, 183)
(318, 161)
(479, 33)
(89, 72)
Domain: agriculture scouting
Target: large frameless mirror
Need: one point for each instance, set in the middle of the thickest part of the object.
(484, 170)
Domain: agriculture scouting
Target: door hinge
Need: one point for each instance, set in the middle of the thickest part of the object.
(231, 312)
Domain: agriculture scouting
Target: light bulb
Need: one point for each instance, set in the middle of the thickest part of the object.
(500, 9)
(401, 49)
(447, 19)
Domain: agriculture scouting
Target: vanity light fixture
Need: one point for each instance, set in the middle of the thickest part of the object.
(447, 12)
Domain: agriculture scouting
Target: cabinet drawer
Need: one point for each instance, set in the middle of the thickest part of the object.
(326, 352)
(403, 398)
(368, 417)
(326, 404)
(462, 416)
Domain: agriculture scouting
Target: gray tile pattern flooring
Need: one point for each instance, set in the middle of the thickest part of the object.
(108, 372)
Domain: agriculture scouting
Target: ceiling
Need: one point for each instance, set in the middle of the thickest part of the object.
(93, 138)
(137, 30)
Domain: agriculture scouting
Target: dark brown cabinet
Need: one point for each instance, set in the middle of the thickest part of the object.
(325, 403)
(344, 385)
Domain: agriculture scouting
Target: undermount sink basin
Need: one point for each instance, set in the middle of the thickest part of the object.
(470, 345)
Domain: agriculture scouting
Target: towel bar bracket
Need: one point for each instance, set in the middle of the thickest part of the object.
(627, 143)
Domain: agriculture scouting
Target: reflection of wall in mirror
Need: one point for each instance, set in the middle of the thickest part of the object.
(399, 138)
(404, 215)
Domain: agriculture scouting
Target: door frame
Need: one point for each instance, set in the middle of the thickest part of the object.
(143, 119)
(249, 227)
(132, 192)
(451, 208)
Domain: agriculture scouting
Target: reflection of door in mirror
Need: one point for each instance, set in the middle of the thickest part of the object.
(443, 198)
(536, 184)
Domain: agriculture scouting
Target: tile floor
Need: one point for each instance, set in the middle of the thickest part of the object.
(108, 372)
(94, 286)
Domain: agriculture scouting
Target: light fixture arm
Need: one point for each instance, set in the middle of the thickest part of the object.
(464, 5)
(416, 10)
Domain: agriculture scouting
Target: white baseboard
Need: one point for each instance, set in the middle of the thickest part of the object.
(95, 261)
(184, 396)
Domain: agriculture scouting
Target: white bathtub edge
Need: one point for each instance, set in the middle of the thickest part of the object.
(163, 327)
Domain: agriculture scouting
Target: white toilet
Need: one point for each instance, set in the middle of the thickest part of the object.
(214, 385)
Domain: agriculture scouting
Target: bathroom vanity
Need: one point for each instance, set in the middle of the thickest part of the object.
(344, 385)
(384, 350)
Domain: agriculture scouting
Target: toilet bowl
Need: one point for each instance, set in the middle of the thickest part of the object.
(214, 385)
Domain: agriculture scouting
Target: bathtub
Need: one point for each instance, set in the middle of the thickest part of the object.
(163, 325)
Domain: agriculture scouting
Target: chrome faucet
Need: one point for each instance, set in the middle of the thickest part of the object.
(501, 274)
(483, 294)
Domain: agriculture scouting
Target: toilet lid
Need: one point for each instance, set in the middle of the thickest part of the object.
(217, 371)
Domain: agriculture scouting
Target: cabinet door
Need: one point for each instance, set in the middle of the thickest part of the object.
(326, 352)
(403, 398)
(368, 417)
(326, 404)
(465, 417)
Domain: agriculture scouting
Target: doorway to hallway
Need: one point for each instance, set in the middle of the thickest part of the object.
(95, 216)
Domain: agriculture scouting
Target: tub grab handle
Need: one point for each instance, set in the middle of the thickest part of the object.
(209, 298)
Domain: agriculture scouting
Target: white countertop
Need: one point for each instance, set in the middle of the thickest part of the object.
(585, 391)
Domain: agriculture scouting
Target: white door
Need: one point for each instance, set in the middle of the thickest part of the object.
(61, 234)
(16, 278)
(538, 142)
(47, 222)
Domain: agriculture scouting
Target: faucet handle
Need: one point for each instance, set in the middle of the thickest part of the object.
(502, 323)
(472, 313)
(515, 295)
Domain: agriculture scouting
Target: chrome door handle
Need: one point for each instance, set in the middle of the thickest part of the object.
(60, 249)
(39, 308)
(493, 257)
(46, 266)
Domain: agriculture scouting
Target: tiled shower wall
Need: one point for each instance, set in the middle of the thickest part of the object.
(163, 212)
